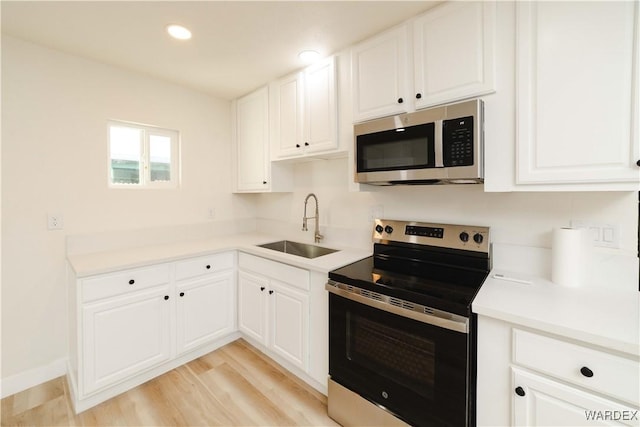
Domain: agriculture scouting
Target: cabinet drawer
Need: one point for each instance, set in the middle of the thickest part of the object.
(203, 265)
(109, 285)
(599, 371)
(293, 276)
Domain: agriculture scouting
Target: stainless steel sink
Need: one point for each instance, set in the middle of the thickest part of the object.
(296, 248)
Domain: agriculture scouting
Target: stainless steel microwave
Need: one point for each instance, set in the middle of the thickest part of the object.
(441, 145)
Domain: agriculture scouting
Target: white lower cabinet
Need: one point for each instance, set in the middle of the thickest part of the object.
(539, 401)
(252, 306)
(125, 335)
(534, 378)
(129, 326)
(205, 310)
(289, 321)
(273, 307)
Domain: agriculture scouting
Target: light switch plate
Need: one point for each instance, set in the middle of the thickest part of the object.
(604, 235)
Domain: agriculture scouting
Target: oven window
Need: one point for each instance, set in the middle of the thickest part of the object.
(406, 358)
(411, 148)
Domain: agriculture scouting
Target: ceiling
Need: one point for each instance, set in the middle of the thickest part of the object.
(236, 46)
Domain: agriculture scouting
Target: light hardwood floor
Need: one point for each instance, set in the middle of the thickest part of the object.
(235, 385)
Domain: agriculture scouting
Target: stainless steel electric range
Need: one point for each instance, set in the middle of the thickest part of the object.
(401, 333)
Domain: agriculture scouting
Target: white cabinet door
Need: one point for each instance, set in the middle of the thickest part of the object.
(577, 92)
(454, 52)
(205, 310)
(252, 305)
(538, 401)
(125, 335)
(320, 113)
(252, 141)
(287, 103)
(289, 313)
(379, 76)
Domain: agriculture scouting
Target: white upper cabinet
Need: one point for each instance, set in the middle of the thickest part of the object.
(379, 75)
(304, 112)
(321, 113)
(286, 115)
(449, 58)
(252, 140)
(577, 103)
(254, 172)
(454, 52)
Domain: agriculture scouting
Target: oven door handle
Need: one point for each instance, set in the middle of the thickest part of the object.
(452, 322)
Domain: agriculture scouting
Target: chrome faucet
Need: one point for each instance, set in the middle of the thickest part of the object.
(317, 235)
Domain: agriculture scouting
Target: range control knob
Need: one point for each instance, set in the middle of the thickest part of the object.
(379, 228)
(478, 238)
(388, 229)
(464, 236)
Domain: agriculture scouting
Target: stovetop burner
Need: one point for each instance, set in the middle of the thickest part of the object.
(436, 265)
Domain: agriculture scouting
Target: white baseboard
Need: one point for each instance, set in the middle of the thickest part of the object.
(33, 377)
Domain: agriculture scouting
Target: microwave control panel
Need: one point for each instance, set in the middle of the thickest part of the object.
(457, 142)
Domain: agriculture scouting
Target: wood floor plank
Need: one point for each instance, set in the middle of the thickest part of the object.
(36, 396)
(50, 413)
(235, 385)
(232, 388)
(304, 404)
(178, 398)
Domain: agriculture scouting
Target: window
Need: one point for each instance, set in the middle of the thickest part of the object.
(142, 156)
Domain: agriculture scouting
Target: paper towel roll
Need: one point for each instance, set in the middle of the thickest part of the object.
(569, 256)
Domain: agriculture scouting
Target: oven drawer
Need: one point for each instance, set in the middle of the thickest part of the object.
(596, 370)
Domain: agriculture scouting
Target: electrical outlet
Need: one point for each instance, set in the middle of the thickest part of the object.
(602, 234)
(55, 221)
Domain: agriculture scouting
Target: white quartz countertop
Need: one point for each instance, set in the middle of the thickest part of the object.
(598, 315)
(109, 261)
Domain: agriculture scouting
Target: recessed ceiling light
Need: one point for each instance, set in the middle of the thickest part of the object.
(309, 55)
(179, 32)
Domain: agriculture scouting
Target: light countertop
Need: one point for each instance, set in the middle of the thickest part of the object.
(109, 261)
(597, 315)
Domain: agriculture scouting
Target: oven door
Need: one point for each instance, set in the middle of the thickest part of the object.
(415, 370)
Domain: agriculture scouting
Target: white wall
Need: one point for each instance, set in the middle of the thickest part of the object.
(515, 218)
(54, 113)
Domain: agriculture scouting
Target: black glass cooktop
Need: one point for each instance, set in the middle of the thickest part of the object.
(439, 280)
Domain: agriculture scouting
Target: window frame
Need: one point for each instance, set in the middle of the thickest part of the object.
(145, 160)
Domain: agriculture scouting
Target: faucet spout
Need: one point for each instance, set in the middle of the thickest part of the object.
(317, 236)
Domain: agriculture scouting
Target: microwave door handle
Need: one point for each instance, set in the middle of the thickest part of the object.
(439, 160)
